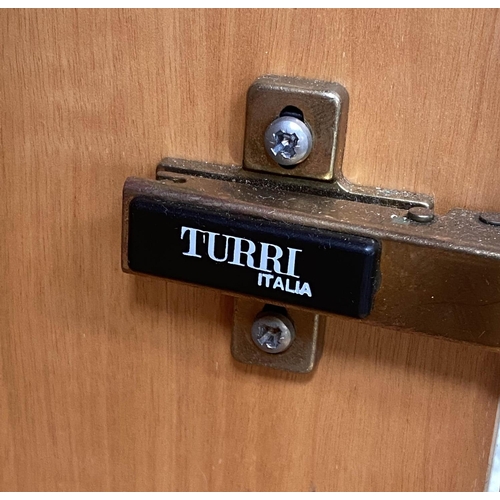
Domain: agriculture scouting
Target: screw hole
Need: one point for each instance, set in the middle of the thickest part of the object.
(177, 180)
(292, 111)
(271, 308)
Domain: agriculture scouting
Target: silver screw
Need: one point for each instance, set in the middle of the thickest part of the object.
(273, 332)
(420, 214)
(288, 141)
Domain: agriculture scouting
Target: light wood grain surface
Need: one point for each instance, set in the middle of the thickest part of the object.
(111, 382)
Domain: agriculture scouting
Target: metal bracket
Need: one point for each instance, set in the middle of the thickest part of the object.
(325, 107)
(303, 352)
(438, 275)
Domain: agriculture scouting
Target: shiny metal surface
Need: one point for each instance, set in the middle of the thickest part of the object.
(420, 214)
(288, 141)
(272, 332)
(324, 106)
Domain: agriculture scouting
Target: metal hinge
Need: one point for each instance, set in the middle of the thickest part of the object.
(294, 240)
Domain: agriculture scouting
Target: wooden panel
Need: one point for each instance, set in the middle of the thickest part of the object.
(114, 382)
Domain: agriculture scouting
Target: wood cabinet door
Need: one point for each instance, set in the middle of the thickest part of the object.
(115, 382)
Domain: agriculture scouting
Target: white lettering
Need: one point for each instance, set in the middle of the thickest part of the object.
(238, 252)
(287, 286)
(244, 253)
(292, 254)
(265, 257)
(192, 240)
(278, 284)
(267, 277)
(211, 246)
(306, 290)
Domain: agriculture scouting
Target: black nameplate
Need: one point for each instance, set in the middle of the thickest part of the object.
(319, 269)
